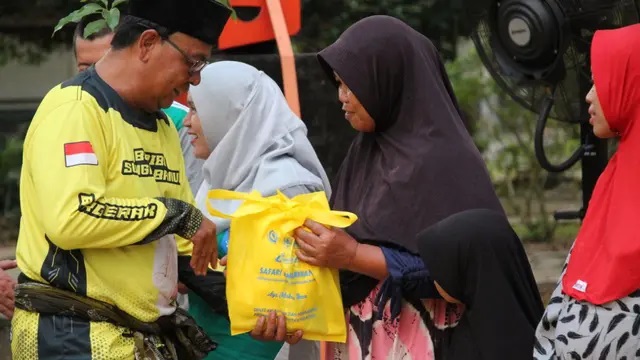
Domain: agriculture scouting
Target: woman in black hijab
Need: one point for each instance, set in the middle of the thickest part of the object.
(475, 258)
(411, 164)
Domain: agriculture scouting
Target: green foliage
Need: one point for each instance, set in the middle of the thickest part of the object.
(113, 18)
(440, 20)
(469, 81)
(25, 36)
(110, 15)
(227, 4)
(322, 23)
(14, 47)
(504, 131)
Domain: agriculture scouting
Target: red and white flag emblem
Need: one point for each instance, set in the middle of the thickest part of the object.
(79, 153)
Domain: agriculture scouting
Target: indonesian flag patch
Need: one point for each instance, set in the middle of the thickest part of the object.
(79, 153)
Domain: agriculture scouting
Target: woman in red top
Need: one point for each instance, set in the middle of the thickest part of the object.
(595, 311)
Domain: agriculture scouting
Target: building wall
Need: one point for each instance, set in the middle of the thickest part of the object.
(23, 86)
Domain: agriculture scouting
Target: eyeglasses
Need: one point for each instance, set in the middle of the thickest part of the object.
(195, 66)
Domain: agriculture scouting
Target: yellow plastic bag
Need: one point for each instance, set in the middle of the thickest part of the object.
(263, 272)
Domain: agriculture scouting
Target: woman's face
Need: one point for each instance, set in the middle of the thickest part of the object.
(354, 112)
(198, 141)
(600, 125)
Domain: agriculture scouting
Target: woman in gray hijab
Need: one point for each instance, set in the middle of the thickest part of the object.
(250, 140)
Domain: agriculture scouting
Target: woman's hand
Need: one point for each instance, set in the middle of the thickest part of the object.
(182, 288)
(223, 262)
(274, 328)
(326, 247)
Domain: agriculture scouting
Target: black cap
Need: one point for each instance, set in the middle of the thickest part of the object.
(201, 19)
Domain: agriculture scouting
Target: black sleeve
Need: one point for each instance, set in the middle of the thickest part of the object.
(211, 287)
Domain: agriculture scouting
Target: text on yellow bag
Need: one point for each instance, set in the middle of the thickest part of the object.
(263, 272)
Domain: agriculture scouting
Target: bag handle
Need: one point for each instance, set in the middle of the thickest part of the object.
(221, 194)
(339, 219)
(215, 212)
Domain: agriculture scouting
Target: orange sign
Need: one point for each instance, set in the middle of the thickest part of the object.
(182, 99)
(259, 29)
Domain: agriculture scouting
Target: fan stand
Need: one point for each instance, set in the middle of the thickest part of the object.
(594, 158)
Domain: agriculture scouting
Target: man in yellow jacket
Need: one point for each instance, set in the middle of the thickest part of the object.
(106, 205)
(89, 50)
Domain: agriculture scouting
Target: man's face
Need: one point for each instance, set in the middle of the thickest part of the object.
(88, 52)
(169, 65)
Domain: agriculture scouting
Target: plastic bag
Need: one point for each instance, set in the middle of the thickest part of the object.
(263, 272)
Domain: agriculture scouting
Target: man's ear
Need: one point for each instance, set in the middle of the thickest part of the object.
(148, 40)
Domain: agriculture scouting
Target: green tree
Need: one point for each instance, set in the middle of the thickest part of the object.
(440, 20)
(26, 26)
(25, 29)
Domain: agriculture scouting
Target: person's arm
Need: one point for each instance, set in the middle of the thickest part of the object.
(408, 279)
(369, 260)
(331, 247)
(335, 248)
(409, 272)
(67, 155)
(400, 267)
(7, 285)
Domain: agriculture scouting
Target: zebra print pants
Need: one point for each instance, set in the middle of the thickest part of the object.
(577, 330)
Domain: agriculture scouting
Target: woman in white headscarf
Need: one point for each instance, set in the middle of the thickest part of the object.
(251, 140)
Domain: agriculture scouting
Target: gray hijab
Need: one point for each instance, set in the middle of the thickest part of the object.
(256, 141)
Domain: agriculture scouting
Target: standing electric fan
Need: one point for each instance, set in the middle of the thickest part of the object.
(538, 52)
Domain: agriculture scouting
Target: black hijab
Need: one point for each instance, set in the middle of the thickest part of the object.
(420, 165)
(477, 258)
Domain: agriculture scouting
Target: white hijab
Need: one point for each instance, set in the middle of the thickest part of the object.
(256, 141)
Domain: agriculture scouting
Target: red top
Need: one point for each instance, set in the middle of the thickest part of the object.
(605, 261)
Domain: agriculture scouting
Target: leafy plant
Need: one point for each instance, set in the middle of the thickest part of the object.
(110, 15)
(442, 21)
(504, 131)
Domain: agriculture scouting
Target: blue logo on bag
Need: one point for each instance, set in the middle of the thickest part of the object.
(283, 259)
(273, 236)
(288, 241)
